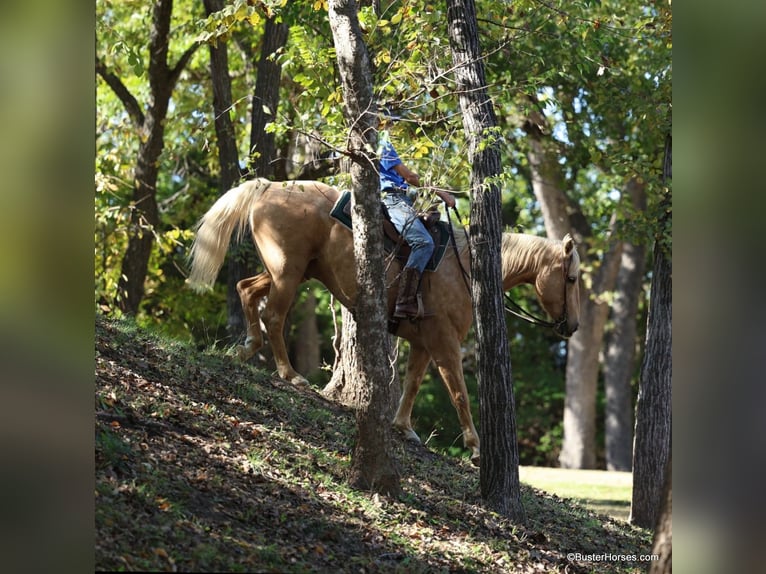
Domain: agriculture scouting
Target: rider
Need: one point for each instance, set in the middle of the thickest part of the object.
(395, 179)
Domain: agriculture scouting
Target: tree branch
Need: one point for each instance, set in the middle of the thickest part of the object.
(121, 91)
(182, 61)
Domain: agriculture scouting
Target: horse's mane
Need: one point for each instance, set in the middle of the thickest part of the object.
(517, 250)
(521, 251)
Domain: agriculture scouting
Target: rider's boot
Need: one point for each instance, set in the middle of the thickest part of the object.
(408, 303)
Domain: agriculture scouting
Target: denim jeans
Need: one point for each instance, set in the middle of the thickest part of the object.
(406, 221)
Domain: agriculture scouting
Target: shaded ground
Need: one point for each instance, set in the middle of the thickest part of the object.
(203, 464)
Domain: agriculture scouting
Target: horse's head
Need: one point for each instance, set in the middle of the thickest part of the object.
(558, 288)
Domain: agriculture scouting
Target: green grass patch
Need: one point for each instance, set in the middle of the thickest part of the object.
(604, 492)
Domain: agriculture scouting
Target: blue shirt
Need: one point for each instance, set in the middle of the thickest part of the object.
(389, 159)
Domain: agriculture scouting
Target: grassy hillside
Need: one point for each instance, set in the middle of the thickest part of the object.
(203, 464)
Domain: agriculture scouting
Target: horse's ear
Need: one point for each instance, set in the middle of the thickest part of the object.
(569, 244)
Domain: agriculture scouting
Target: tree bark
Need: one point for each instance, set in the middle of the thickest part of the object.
(242, 262)
(150, 125)
(561, 216)
(373, 464)
(579, 445)
(341, 387)
(228, 158)
(499, 471)
(619, 363)
(651, 450)
(663, 533)
(266, 100)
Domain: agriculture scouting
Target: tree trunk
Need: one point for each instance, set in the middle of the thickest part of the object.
(341, 387)
(651, 451)
(150, 126)
(499, 472)
(663, 533)
(619, 364)
(144, 220)
(145, 215)
(373, 464)
(561, 217)
(242, 262)
(266, 100)
(228, 157)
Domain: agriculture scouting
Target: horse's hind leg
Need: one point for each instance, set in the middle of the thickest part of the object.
(251, 291)
(281, 295)
(417, 363)
(449, 362)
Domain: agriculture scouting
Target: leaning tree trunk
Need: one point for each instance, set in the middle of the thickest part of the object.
(620, 356)
(561, 216)
(499, 473)
(373, 465)
(579, 445)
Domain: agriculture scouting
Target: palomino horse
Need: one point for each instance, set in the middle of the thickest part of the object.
(298, 240)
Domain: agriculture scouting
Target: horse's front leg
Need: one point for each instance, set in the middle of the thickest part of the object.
(449, 362)
(251, 291)
(417, 363)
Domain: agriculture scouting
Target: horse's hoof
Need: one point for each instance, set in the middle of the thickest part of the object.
(299, 381)
(476, 460)
(409, 435)
(244, 353)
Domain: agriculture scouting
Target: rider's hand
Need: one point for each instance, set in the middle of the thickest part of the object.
(447, 198)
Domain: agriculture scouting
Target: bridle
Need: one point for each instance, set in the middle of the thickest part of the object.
(510, 305)
(522, 313)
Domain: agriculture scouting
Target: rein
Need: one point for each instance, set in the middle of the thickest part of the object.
(510, 305)
(454, 245)
(522, 313)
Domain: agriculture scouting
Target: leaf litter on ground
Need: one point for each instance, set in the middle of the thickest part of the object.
(207, 464)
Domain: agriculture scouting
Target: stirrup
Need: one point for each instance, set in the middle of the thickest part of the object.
(422, 313)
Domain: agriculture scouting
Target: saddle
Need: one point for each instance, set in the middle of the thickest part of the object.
(393, 241)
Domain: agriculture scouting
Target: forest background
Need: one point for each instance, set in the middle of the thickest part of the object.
(48, 118)
(582, 92)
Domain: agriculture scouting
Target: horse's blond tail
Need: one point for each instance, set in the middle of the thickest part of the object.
(213, 232)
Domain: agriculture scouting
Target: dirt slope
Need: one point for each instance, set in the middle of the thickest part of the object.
(203, 464)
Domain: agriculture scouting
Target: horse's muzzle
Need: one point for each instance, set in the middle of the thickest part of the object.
(563, 329)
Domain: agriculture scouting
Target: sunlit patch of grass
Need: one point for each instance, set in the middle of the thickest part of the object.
(604, 492)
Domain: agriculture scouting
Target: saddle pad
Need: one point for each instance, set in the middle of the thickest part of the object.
(439, 233)
(341, 211)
